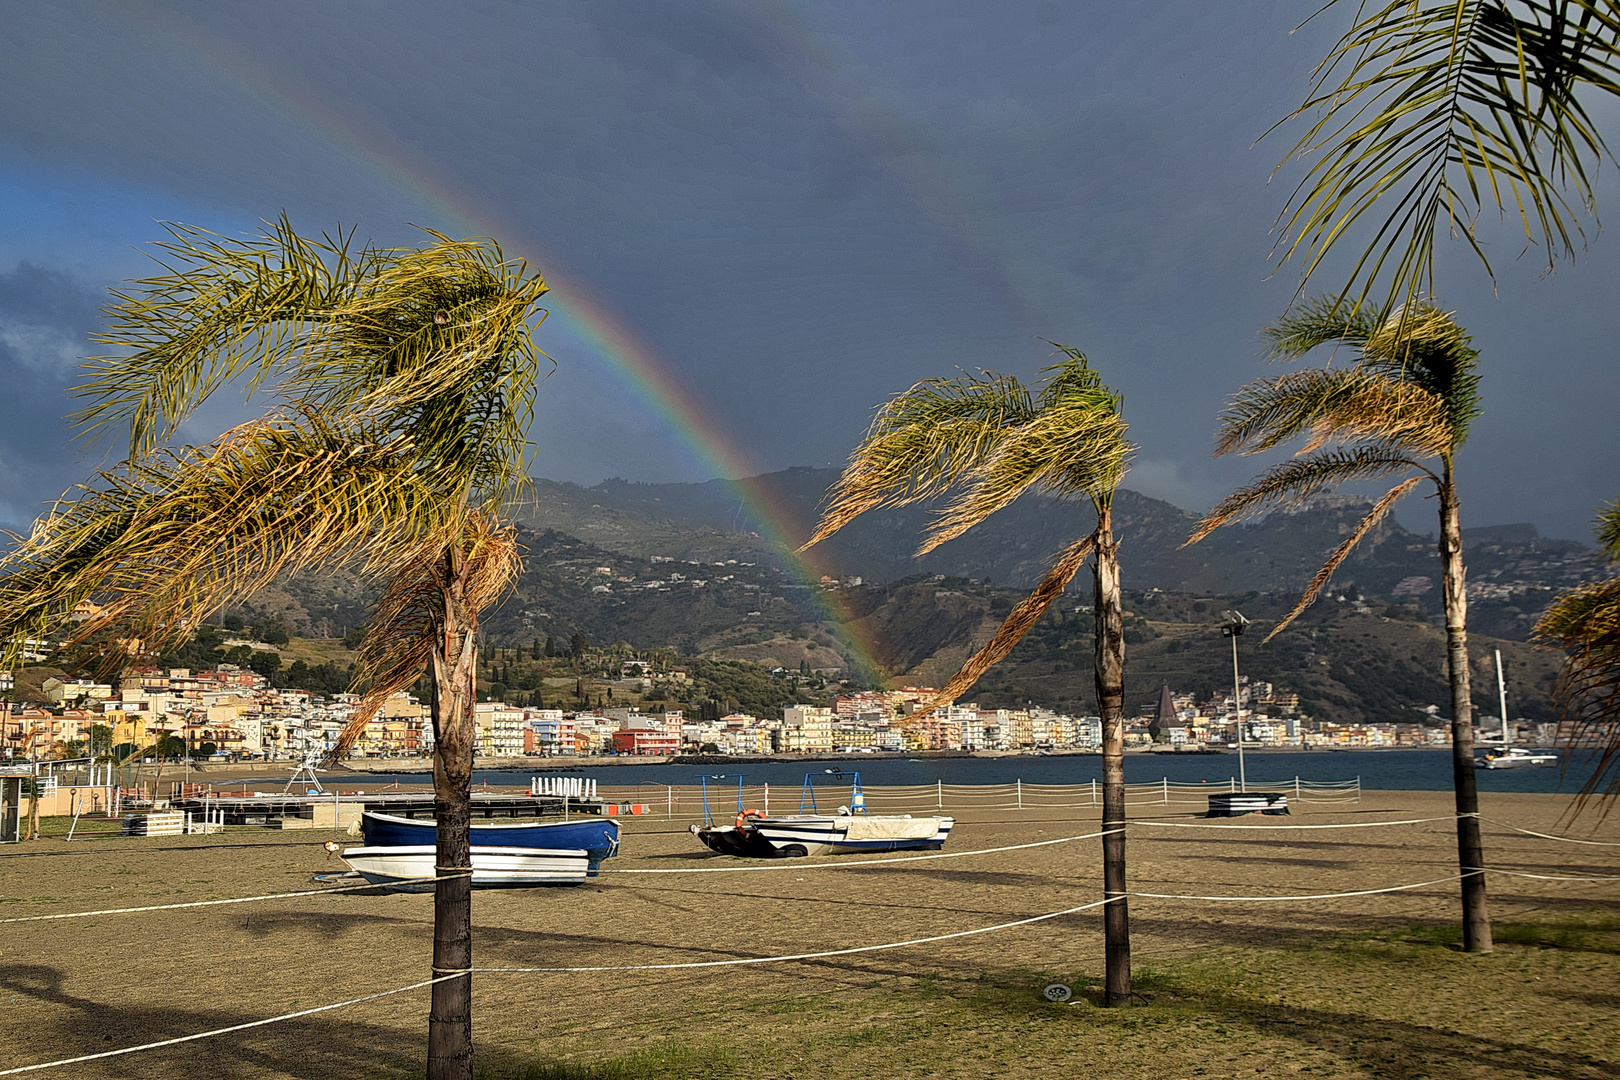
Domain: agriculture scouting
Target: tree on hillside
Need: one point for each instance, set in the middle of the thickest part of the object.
(402, 382)
(1585, 622)
(988, 440)
(1401, 409)
(1428, 111)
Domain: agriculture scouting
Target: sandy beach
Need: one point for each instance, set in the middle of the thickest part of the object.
(1344, 987)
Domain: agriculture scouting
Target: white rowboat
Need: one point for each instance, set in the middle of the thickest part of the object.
(493, 867)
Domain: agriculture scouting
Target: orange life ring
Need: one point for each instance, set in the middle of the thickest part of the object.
(742, 818)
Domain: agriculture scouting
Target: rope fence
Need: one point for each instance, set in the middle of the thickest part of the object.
(750, 960)
(685, 801)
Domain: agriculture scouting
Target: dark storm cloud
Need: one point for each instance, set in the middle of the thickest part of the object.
(803, 208)
(44, 319)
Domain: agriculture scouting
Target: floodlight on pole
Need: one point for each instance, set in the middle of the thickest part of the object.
(1232, 624)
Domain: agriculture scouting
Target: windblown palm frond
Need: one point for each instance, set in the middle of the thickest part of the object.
(1324, 575)
(922, 443)
(1585, 623)
(1018, 622)
(1427, 112)
(435, 340)
(1334, 405)
(171, 538)
(1291, 483)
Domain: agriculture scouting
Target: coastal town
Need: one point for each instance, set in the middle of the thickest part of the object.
(233, 713)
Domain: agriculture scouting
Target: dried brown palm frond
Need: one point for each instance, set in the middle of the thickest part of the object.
(1292, 482)
(1379, 511)
(408, 621)
(1018, 622)
(175, 536)
(1334, 405)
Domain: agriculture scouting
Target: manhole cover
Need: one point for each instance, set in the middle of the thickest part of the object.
(1058, 992)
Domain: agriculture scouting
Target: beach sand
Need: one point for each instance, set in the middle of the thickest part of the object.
(1354, 986)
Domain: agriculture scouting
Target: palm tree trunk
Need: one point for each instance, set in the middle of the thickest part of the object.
(1110, 678)
(1470, 851)
(455, 662)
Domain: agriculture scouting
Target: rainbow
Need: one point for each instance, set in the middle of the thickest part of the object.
(586, 317)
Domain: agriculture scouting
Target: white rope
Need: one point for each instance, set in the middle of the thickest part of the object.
(797, 956)
(1549, 836)
(228, 1030)
(1346, 825)
(797, 864)
(234, 900)
(1318, 896)
(1547, 877)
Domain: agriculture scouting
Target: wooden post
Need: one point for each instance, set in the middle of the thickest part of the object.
(939, 791)
(1020, 783)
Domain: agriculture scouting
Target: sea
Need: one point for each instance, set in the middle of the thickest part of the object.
(1380, 770)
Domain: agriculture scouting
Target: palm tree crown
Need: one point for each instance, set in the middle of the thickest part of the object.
(990, 439)
(1407, 399)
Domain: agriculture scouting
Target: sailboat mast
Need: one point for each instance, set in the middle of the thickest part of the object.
(1501, 695)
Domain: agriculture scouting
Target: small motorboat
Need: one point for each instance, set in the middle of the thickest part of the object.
(598, 836)
(493, 867)
(761, 835)
(1516, 757)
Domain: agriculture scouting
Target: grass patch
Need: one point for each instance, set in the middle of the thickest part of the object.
(675, 1061)
(1597, 932)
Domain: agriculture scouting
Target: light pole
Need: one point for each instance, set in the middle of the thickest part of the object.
(1232, 627)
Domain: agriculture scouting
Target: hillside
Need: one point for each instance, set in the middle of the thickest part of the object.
(1513, 570)
(680, 567)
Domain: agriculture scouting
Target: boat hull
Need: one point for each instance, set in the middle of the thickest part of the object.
(493, 867)
(1516, 760)
(826, 834)
(599, 837)
(730, 840)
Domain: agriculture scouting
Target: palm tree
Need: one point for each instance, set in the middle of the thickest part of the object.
(1585, 622)
(401, 383)
(1402, 409)
(1433, 110)
(989, 440)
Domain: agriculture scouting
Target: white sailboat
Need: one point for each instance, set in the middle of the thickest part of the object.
(1509, 756)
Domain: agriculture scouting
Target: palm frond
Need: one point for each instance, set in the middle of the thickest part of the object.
(434, 340)
(1018, 622)
(1334, 405)
(172, 537)
(1381, 508)
(1585, 623)
(1316, 321)
(1068, 448)
(1292, 482)
(1428, 111)
(921, 443)
(1608, 530)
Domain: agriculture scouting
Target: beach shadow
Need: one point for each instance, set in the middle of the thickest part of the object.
(326, 1046)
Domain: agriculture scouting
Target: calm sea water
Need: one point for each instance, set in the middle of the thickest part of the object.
(1389, 770)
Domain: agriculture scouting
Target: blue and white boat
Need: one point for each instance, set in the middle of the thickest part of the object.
(598, 837)
(493, 867)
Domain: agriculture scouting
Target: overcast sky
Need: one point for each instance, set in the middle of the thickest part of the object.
(791, 210)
